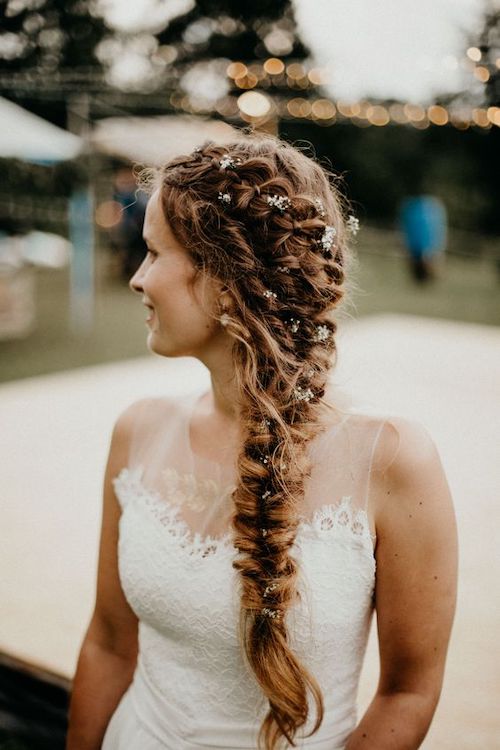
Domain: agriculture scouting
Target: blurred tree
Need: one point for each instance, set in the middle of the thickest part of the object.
(236, 30)
(190, 53)
(49, 36)
(489, 46)
(47, 50)
(381, 165)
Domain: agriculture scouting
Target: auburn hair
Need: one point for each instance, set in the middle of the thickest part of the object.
(221, 214)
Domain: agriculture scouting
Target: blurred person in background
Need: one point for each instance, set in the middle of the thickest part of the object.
(424, 224)
(249, 531)
(126, 235)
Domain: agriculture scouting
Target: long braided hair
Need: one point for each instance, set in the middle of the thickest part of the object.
(268, 223)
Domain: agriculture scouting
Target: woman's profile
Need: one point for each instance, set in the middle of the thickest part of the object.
(250, 530)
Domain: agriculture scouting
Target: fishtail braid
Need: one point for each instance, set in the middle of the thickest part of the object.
(267, 223)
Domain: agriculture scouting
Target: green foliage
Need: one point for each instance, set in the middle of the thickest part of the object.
(51, 34)
(382, 165)
(34, 196)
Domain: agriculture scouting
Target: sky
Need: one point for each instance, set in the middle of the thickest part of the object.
(410, 50)
(403, 49)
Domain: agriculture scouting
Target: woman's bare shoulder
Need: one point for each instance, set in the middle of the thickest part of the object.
(409, 483)
(404, 446)
(400, 447)
(144, 411)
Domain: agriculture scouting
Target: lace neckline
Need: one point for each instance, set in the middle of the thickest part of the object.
(337, 519)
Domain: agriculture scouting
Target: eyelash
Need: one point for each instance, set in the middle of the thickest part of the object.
(151, 252)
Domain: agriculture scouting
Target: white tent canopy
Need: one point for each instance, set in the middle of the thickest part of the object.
(153, 140)
(26, 136)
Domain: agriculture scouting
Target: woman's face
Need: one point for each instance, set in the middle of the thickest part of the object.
(178, 326)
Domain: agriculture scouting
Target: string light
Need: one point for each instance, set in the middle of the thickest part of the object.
(397, 114)
(480, 117)
(274, 66)
(378, 115)
(474, 54)
(295, 71)
(317, 76)
(254, 104)
(437, 115)
(414, 112)
(493, 114)
(236, 70)
(325, 111)
(482, 74)
(276, 73)
(248, 81)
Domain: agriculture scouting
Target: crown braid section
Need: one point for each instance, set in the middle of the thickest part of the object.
(283, 261)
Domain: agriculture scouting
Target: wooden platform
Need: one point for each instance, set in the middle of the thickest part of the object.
(54, 440)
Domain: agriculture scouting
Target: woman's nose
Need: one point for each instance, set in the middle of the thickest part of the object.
(135, 283)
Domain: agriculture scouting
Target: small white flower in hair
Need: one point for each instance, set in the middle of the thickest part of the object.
(322, 333)
(303, 394)
(265, 424)
(228, 161)
(266, 494)
(327, 240)
(268, 589)
(224, 197)
(294, 324)
(319, 206)
(281, 202)
(274, 614)
(283, 269)
(353, 225)
(269, 294)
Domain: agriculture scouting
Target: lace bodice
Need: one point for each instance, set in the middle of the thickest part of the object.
(175, 553)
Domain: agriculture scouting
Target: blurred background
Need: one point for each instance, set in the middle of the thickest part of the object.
(402, 100)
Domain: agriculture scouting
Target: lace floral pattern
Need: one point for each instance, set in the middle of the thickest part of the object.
(186, 489)
(129, 487)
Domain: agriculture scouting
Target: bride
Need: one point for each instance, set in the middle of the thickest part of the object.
(249, 532)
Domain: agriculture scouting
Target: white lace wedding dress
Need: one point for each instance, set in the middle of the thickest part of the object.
(192, 687)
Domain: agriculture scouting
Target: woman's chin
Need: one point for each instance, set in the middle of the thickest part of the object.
(152, 341)
(156, 346)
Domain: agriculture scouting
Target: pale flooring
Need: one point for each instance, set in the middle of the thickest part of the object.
(55, 435)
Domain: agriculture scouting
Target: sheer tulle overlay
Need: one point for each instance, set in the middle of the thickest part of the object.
(192, 687)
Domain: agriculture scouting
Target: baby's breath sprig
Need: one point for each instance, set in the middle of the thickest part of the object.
(274, 614)
(352, 225)
(303, 394)
(281, 202)
(269, 294)
(228, 161)
(294, 324)
(327, 238)
(224, 198)
(322, 333)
